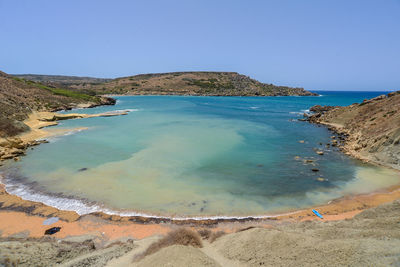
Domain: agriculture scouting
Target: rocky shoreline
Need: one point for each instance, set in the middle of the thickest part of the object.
(369, 131)
(15, 147)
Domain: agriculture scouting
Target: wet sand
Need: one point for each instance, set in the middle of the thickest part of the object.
(22, 216)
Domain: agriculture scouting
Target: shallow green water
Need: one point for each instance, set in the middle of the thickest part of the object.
(194, 156)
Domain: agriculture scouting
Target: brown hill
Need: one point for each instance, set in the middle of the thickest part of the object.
(372, 127)
(19, 97)
(176, 83)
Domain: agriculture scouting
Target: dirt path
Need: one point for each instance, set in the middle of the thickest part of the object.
(211, 252)
(127, 259)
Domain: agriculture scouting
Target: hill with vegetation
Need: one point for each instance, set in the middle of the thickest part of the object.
(175, 83)
(19, 97)
(70, 82)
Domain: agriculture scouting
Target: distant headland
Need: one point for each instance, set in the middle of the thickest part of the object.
(203, 83)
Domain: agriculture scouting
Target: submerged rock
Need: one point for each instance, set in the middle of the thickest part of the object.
(362, 128)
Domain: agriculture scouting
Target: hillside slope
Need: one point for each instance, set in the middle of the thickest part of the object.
(69, 82)
(19, 97)
(179, 83)
(372, 128)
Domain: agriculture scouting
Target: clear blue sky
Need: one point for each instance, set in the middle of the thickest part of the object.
(319, 45)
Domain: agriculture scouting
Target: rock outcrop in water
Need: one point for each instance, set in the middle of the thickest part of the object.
(12, 148)
(175, 83)
(370, 130)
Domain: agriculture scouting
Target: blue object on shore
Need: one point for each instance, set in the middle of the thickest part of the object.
(51, 221)
(317, 213)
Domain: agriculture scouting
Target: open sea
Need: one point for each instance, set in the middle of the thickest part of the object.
(183, 156)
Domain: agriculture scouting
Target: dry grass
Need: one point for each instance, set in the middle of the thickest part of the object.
(204, 233)
(10, 127)
(210, 235)
(215, 235)
(182, 236)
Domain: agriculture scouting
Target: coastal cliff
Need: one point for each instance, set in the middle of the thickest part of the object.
(174, 83)
(370, 130)
(20, 97)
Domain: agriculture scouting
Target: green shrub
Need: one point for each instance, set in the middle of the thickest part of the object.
(59, 91)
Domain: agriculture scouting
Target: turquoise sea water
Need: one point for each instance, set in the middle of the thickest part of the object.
(195, 156)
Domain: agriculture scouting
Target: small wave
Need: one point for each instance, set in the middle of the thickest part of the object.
(124, 110)
(254, 107)
(73, 132)
(57, 137)
(15, 186)
(296, 113)
(51, 139)
(301, 112)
